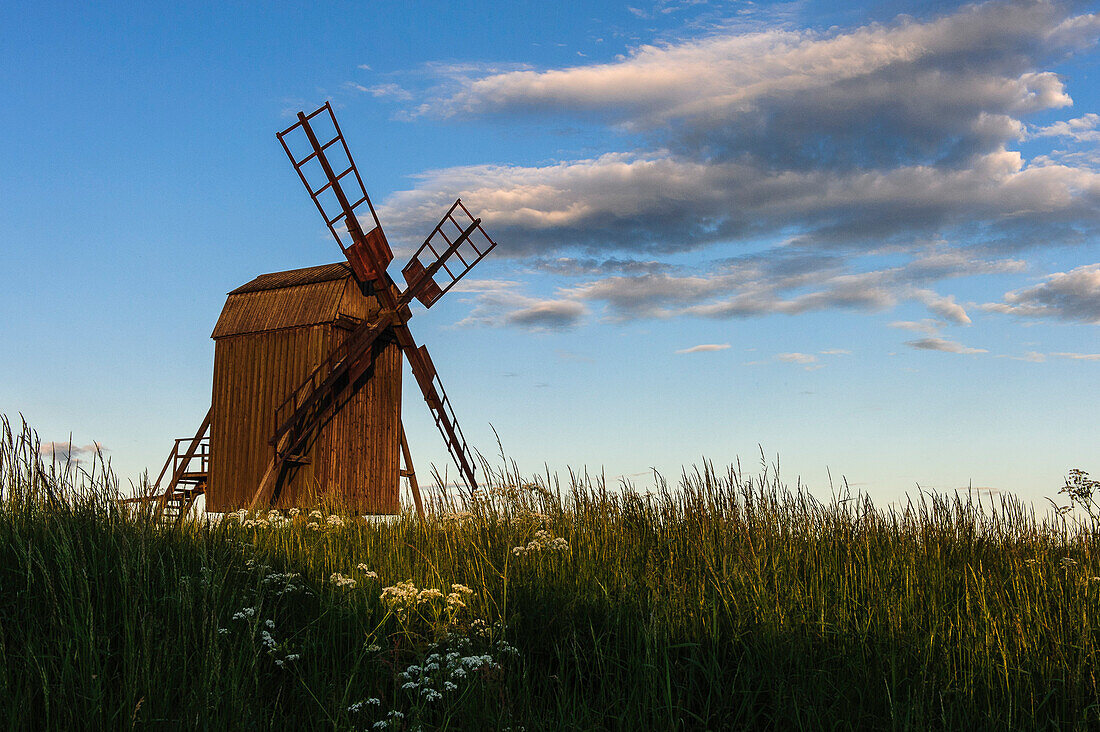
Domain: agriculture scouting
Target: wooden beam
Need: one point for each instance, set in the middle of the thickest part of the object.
(409, 473)
(266, 488)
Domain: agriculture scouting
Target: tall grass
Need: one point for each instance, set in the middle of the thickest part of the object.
(726, 601)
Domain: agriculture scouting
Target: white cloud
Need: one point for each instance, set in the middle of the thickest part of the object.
(68, 452)
(1036, 357)
(801, 358)
(1081, 129)
(705, 347)
(933, 343)
(546, 314)
(497, 303)
(926, 326)
(944, 306)
(663, 203)
(739, 288)
(1073, 296)
(1079, 356)
(963, 80)
(381, 90)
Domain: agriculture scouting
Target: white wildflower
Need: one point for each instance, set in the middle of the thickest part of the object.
(341, 580)
(543, 541)
(366, 571)
(427, 595)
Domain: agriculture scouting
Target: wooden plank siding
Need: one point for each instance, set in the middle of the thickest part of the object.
(266, 342)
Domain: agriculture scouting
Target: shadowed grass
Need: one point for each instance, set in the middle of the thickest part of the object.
(726, 601)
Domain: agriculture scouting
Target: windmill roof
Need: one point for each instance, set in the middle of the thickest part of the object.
(295, 277)
(295, 298)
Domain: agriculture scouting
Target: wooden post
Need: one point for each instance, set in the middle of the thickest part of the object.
(409, 473)
(266, 488)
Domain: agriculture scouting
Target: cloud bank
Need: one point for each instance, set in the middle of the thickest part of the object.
(818, 152)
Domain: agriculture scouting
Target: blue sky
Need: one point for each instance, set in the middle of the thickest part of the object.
(863, 238)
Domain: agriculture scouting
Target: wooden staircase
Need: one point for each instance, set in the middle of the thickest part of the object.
(189, 461)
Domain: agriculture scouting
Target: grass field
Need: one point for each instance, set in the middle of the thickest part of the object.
(724, 601)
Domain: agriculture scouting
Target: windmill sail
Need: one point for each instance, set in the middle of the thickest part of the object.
(325, 168)
(456, 244)
(445, 421)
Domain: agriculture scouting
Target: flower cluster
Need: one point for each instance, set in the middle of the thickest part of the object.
(244, 613)
(317, 521)
(438, 679)
(404, 597)
(268, 643)
(341, 580)
(1079, 487)
(544, 541)
(442, 672)
(456, 598)
(535, 517)
(366, 571)
(272, 519)
(360, 706)
(283, 583)
(392, 720)
(455, 519)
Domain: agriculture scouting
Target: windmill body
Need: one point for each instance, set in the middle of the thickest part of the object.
(272, 333)
(306, 402)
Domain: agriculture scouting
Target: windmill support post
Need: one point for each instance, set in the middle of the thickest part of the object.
(410, 474)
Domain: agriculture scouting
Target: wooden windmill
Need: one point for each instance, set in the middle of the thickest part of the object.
(306, 398)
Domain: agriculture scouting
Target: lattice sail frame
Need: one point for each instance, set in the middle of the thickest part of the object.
(320, 161)
(436, 255)
(428, 379)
